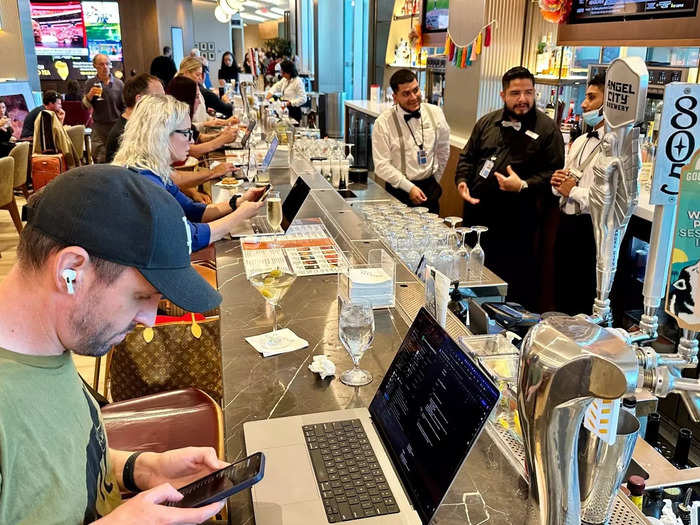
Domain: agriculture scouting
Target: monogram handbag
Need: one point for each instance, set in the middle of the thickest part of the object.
(175, 354)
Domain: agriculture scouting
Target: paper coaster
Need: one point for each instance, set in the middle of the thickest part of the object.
(294, 343)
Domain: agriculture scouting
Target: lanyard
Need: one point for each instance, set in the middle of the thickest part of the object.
(581, 167)
(422, 136)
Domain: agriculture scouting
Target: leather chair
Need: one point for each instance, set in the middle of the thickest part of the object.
(21, 155)
(7, 196)
(77, 137)
(76, 113)
(165, 421)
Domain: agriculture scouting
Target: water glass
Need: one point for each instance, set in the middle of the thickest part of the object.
(356, 332)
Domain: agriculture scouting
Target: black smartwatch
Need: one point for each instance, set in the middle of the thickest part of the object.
(232, 201)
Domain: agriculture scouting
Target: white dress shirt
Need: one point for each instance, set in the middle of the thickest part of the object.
(291, 90)
(580, 150)
(200, 115)
(386, 150)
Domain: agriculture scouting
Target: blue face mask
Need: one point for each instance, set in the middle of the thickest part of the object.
(594, 117)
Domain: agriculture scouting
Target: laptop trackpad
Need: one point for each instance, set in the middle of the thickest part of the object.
(289, 477)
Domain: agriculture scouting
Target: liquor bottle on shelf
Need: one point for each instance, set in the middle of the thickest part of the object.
(566, 62)
(570, 115)
(551, 108)
(680, 455)
(575, 131)
(541, 61)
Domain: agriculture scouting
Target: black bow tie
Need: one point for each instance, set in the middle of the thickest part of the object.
(592, 134)
(412, 114)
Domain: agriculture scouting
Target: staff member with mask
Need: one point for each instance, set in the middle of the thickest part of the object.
(503, 176)
(574, 249)
(411, 145)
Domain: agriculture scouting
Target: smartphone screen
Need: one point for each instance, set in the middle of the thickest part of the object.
(223, 483)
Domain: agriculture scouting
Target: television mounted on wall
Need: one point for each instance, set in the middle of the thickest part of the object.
(584, 11)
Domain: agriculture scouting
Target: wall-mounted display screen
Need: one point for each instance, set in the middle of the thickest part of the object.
(436, 15)
(68, 34)
(611, 10)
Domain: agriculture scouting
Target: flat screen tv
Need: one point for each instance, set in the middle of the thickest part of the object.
(436, 15)
(616, 10)
(68, 34)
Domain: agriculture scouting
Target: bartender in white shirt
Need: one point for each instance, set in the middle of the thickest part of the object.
(574, 249)
(290, 88)
(411, 145)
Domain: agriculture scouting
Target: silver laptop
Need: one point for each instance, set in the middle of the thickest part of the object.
(389, 464)
(241, 144)
(290, 207)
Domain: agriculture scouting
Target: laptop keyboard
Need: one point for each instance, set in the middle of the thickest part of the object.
(350, 480)
(260, 225)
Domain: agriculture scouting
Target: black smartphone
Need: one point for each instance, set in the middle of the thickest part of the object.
(223, 483)
(264, 195)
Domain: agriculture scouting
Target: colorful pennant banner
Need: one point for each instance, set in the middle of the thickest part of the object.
(465, 55)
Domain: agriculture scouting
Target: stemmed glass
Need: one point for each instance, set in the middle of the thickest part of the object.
(477, 256)
(274, 213)
(350, 158)
(453, 239)
(356, 332)
(463, 255)
(273, 284)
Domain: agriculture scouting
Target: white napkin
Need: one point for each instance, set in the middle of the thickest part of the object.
(294, 343)
(322, 366)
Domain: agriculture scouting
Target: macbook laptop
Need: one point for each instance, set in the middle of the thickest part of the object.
(270, 153)
(244, 140)
(389, 464)
(290, 207)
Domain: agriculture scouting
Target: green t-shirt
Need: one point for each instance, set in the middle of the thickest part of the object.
(54, 461)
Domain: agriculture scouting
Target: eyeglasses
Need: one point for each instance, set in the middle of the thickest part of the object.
(186, 132)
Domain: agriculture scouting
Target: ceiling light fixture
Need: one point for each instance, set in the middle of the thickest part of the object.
(254, 5)
(221, 15)
(278, 10)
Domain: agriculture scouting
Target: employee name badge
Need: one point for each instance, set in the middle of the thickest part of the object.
(422, 157)
(487, 167)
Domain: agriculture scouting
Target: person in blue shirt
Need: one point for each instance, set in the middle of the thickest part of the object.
(157, 135)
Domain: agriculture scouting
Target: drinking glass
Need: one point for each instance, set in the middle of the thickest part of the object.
(453, 238)
(350, 158)
(477, 255)
(463, 255)
(98, 85)
(274, 213)
(356, 332)
(273, 284)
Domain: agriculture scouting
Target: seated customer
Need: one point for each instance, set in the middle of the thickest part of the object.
(157, 135)
(191, 67)
(73, 91)
(5, 131)
(81, 282)
(52, 101)
(187, 91)
(134, 89)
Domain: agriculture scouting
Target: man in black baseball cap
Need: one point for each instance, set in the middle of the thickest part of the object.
(101, 246)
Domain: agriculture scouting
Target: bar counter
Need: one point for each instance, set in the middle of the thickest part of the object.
(490, 486)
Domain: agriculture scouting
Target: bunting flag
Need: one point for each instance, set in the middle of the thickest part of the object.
(463, 56)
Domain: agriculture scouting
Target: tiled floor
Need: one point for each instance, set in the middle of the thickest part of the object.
(8, 256)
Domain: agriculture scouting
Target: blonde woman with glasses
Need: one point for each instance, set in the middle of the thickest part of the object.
(157, 135)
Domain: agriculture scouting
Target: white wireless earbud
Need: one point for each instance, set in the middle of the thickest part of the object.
(69, 275)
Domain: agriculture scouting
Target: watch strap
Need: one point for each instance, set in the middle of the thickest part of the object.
(128, 473)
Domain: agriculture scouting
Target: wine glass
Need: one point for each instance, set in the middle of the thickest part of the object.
(274, 213)
(463, 255)
(350, 158)
(356, 332)
(273, 284)
(453, 239)
(477, 255)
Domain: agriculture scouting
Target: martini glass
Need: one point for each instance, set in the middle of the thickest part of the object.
(356, 332)
(477, 255)
(273, 284)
